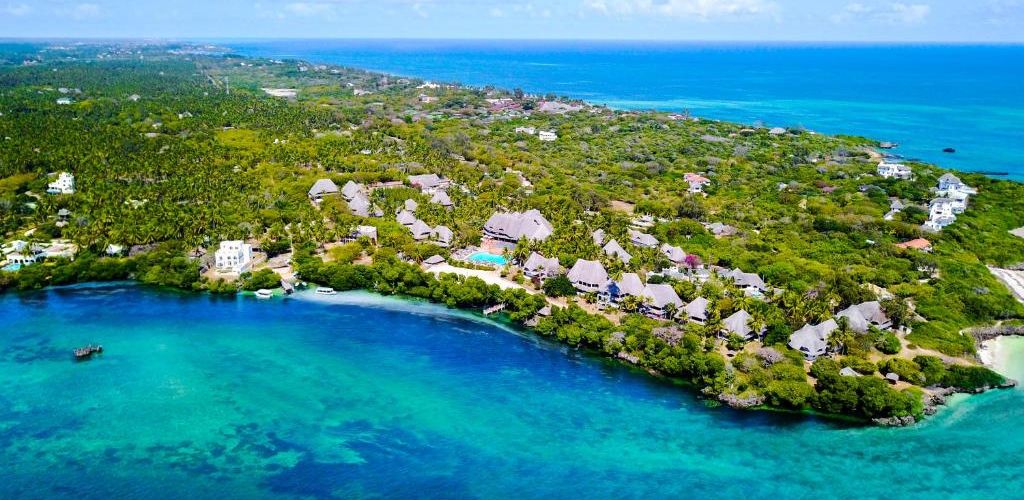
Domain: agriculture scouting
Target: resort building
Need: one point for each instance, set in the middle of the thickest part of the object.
(442, 236)
(406, 218)
(739, 324)
(812, 340)
(674, 254)
(441, 198)
(628, 285)
(420, 230)
(750, 283)
(360, 206)
(721, 230)
(410, 205)
(526, 130)
(696, 182)
(351, 189)
(614, 249)
(428, 183)
(539, 266)
(660, 300)
(510, 227)
(598, 236)
(894, 170)
(697, 311)
(588, 276)
(862, 316)
(65, 184)
(322, 189)
(233, 256)
(547, 136)
(368, 232)
(642, 240)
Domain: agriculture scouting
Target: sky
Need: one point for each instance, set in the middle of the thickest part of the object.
(987, 21)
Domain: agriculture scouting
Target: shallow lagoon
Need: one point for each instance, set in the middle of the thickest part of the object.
(358, 396)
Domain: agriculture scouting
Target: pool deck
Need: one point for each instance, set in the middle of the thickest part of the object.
(489, 277)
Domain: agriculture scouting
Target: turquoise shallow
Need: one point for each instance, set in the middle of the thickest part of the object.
(358, 396)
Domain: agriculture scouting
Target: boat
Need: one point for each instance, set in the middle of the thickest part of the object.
(888, 145)
(263, 293)
(83, 353)
(949, 150)
(323, 290)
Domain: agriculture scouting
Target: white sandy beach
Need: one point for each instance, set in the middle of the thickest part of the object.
(1004, 355)
(1014, 280)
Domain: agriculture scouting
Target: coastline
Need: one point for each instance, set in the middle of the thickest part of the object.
(829, 114)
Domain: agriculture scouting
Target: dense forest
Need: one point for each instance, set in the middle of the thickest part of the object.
(176, 148)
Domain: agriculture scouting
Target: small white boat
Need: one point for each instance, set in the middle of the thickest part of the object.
(322, 290)
(264, 293)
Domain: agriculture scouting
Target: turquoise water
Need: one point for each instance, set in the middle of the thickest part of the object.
(487, 259)
(358, 396)
(11, 267)
(925, 97)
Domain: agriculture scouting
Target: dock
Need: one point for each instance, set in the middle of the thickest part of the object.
(287, 287)
(494, 309)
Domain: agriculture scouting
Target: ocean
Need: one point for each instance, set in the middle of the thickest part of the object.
(924, 97)
(359, 396)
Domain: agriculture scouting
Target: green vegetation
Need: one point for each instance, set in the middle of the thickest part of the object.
(168, 163)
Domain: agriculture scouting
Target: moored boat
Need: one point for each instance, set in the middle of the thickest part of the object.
(323, 290)
(86, 352)
(264, 293)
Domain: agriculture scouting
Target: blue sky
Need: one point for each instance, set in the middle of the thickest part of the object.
(796, 20)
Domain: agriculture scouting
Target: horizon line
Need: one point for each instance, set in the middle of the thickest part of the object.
(473, 39)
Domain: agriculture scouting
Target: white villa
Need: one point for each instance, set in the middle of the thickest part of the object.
(894, 170)
(65, 184)
(233, 256)
(940, 214)
(547, 136)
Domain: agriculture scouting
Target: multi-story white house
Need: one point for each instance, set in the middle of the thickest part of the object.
(940, 214)
(65, 184)
(233, 256)
(547, 136)
(894, 170)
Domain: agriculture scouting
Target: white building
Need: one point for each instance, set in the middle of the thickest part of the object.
(894, 170)
(233, 256)
(547, 136)
(65, 184)
(940, 214)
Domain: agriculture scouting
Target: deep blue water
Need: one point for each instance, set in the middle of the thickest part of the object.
(925, 97)
(356, 396)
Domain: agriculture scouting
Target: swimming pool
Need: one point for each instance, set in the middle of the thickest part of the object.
(11, 267)
(487, 259)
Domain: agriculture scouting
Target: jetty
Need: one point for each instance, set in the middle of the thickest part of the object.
(287, 287)
(494, 309)
(83, 353)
